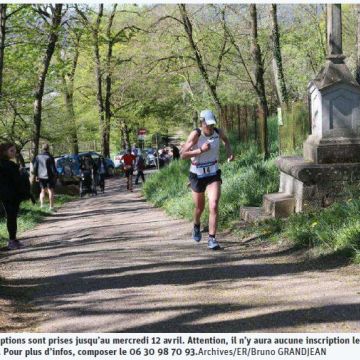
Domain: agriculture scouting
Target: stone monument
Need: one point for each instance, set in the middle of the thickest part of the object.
(331, 153)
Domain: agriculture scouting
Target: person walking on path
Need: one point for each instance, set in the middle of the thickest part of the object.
(139, 167)
(129, 160)
(46, 174)
(202, 146)
(10, 191)
(102, 173)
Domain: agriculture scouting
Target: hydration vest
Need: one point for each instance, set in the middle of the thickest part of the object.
(207, 163)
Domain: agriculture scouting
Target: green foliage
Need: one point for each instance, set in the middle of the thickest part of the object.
(334, 229)
(168, 183)
(295, 127)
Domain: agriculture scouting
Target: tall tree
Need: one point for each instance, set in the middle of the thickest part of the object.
(68, 79)
(211, 85)
(94, 27)
(358, 44)
(4, 16)
(95, 34)
(2, 42)
(52, 15)
(277, 58)
(259, 80)
(108, 81)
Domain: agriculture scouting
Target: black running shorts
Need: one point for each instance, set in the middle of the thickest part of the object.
(47, 183)
(199, 185)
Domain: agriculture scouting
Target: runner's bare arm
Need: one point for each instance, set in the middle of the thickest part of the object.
(226, 142)
(187, 152)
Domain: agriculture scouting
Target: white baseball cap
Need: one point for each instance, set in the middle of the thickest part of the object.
(208, 116)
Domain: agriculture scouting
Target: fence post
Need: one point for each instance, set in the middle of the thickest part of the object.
(238, 121)
(225, 117)
(262, 133)
(254, 117)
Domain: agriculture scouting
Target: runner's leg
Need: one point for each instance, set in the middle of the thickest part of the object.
(127, 179)
(130, 181)
(199, 201)
(214, 192)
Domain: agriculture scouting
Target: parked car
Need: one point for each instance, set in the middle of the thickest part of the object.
(150, 157)
(68, 166)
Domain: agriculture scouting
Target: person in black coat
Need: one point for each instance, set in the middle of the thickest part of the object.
(10, 191)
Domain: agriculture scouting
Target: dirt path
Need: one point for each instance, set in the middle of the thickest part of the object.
(115, 264)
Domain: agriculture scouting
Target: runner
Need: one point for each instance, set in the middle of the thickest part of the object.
(202, 147)
(129, 160)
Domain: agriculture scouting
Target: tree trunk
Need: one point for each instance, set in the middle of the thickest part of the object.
(358, 44)
(39, 91)
(199, 60)
(2, 42)
(259, 80)
(106, 132)
(68, 85)
(125, 135)
(277, 59)
(69, 105)
(98, 75)
(195, 119)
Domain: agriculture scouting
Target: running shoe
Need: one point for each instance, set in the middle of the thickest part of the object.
(19, 244)
(213, 244)
(196, 233)
(12, 245)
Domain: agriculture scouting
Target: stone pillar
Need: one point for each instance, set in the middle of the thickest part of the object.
(334, 30)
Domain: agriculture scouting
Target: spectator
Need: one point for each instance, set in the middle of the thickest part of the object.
(10, 191)
(139, 167)
(46, 174)
(102, 173)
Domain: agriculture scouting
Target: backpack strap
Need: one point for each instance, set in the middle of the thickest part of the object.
(217, 130)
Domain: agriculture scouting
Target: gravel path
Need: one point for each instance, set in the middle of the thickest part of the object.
(113, 263)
